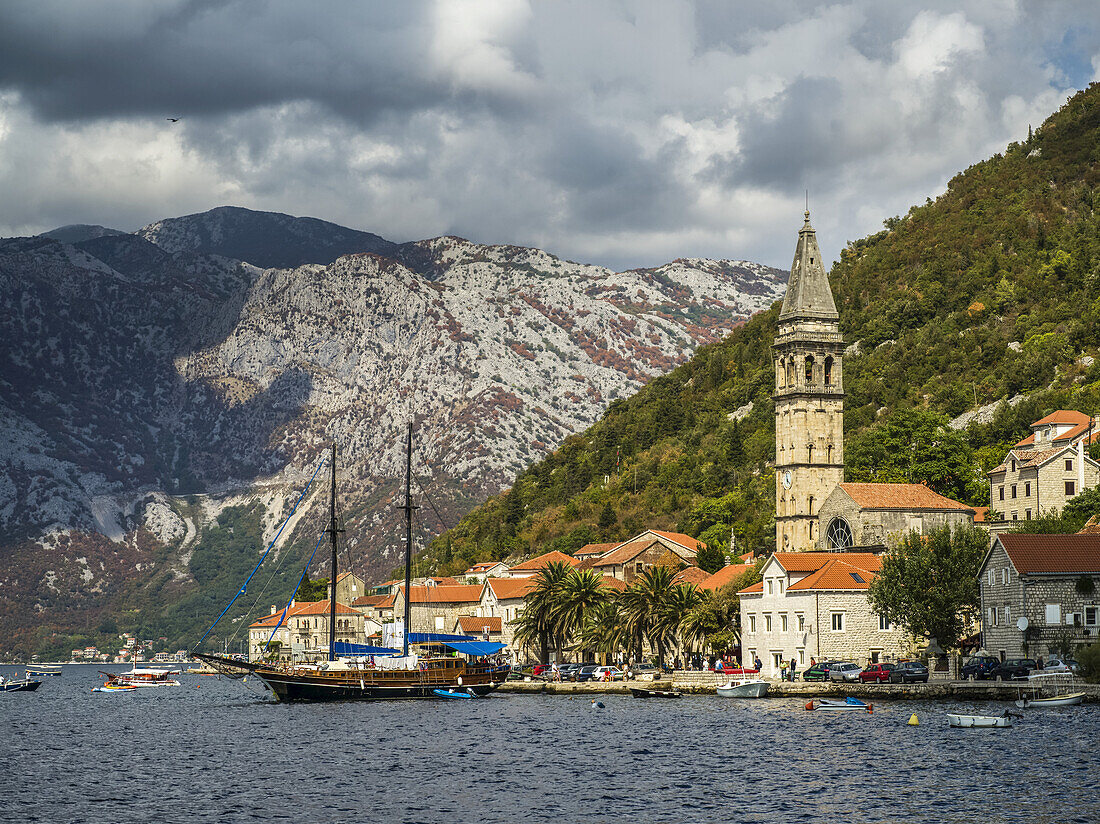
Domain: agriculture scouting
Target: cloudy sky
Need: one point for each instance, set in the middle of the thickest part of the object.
(622, 133)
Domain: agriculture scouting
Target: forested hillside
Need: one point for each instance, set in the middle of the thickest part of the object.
(986, 293)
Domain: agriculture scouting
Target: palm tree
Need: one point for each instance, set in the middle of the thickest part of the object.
(581, 592)
(603, 631)
(537, 622)
(681, 601)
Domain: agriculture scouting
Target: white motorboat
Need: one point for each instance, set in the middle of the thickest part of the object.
(743, 688)
(1069, 699)
(968, 721)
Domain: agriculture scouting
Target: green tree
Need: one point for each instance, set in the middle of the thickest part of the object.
(710, 558)
(607, 520)
(929, 583)
(915, 446)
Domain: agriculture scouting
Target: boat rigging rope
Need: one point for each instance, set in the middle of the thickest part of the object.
(241, 591)
(291, 598)
(431, 503)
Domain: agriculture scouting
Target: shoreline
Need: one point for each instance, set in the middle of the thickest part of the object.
(935, 690)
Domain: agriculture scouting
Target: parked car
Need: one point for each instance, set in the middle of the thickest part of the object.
(608, 674)
(908, 672)
(1055, 665)
(844, 671)
(1014, 668)
(574, 673)
(566, 671)
(644, 672)
(1074, 667)
(818, 672)
(879, 673)
(585, 673)
(980, 666)
(542, 669)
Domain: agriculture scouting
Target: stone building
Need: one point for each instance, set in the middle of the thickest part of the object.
(628, 560)
(809, 398)
(867, 514)
(487, 569)
(1040, 593)
(436, 608)
(349, 586)
(531, 568)
(303, 633)
(1044, 470)
(814, 604)
(504, 598)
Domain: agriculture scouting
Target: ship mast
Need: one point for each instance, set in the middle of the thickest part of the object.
(332, 530)
(408, 507)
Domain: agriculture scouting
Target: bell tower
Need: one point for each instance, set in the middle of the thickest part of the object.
(809, 398)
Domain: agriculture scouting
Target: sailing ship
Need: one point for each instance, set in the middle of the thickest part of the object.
(141, 677)
(374, 673)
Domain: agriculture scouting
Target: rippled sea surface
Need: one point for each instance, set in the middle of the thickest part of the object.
(215, 750)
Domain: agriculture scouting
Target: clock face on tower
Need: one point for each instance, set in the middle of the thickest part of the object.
(787, 479)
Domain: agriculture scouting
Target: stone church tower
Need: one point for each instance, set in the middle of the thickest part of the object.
(809, 398)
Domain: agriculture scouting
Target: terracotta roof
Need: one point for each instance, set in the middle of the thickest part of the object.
(1072, 434)
(444, 594)
(1063, 416)
(442, 582)
(303, 608)
(613, 583)
(726, 575)
(1028, 441)
(475, 625)
(691, 575)
(593, 549)
(624, 553)
(1053, 554)
(813, 561)
(839, 573)
(373, 600)
(535, 564)
(484, 566)
(981, 514)
(507, 588)
(686, 541)
(755, 589)
(898, 496)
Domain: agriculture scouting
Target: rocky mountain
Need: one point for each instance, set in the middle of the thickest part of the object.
(153, 391)
(264, 239)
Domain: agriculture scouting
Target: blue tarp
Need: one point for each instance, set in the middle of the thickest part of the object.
(343, 648)
(476, 647)
(436, 638)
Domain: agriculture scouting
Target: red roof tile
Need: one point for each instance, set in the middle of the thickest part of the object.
(1063, 416)
(613, 583)
(981, 514)
(474, 625)
(624, 553)
(686, 541)
(690, 575)
(755, 589)
(535, 564)
(898, 496)
(508, 588)
(813, 561)
(444, 594)
(840, 574)
(1053, 554)
(593, 549)
(1028, 441)
(726, 575)
(304, 608)
(373, 601)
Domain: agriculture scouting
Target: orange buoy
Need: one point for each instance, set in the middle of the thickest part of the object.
(810, 704)
(870, 709)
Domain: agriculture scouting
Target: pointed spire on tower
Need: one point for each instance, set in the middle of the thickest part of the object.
(808, 292)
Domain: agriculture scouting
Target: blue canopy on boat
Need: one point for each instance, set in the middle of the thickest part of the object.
(476, 647)
(436, 638)
(343, 648)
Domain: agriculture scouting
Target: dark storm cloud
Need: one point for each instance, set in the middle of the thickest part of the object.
(215, 57)
(619, 133)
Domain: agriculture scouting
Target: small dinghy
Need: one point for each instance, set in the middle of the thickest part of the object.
(969, 721)
(1068, 700)
(638, 692)
(848, 704)
(111, 688)
(453, 693)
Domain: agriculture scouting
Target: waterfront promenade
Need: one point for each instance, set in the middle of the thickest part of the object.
(704, 683)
